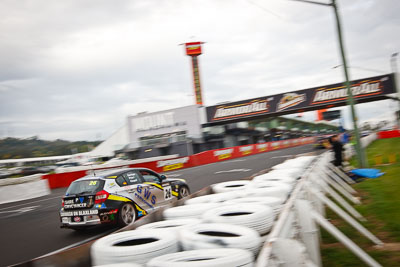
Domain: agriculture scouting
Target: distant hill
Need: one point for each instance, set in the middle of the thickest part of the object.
(15, 148)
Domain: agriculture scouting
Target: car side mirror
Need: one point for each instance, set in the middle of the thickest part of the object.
(163, 177)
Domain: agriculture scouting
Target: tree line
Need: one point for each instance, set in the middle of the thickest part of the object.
(15, 148)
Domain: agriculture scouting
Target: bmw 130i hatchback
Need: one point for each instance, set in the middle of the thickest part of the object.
(118, 197)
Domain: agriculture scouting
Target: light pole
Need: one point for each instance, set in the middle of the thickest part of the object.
(393, 63)
(362, 161)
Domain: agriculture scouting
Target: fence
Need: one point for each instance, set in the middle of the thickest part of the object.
(294, 240)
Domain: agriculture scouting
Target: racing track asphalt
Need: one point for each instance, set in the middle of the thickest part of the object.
(30, 228)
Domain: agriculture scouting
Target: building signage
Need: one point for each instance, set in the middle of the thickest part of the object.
(335, 95)
(153, 122)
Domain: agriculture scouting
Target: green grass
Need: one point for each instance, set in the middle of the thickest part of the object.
(380, 205)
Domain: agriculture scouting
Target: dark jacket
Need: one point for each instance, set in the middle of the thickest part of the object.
(337, 148)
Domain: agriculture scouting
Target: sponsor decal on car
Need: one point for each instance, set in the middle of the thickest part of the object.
(223, 154)
(100, 206)
(109, 212)
(78, 213)
(145, 195)
(71, 203)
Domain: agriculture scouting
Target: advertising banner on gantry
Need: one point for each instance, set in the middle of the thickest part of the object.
(363, 90)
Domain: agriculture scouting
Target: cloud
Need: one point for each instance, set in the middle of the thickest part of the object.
(75, 69)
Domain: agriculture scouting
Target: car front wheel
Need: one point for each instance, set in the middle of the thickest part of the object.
(126, 215)
(183, 192)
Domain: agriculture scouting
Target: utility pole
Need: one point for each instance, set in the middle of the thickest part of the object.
(393, 62)
(362, 160)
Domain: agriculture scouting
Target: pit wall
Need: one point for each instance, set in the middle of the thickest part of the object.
(65, 179)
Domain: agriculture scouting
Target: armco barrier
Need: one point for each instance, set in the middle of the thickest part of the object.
(64, 179)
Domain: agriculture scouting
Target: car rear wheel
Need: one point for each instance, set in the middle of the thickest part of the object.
(126, 215)
(183, 192)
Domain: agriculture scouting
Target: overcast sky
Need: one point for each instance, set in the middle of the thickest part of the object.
(75, 69)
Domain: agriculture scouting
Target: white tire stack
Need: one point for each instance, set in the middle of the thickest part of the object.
(287, 176)
(188, 211)
(214, 198)
(256, 217)
(271, 184)
(138, 246)
(230, 186)
(274, 202)
(170, 224)
(268, 192)
(121, 265)
(274, 179)
(299, 162)
(223, 257)
(219, 235)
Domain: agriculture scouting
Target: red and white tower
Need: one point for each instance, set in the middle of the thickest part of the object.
(193, 50)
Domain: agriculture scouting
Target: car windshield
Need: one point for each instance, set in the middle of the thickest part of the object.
(85, 187)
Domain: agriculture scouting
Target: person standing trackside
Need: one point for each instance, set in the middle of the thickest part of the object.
(337, 148)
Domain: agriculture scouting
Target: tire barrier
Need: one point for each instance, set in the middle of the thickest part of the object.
(219, 235)
(214, 198)
(274, 202)
(223, 257)
(230, 186)
(267, 192)
(121, 265)
(174, 225)
(293, 173)
(299, 162)
(270, 178)
(138, 246)
(254, 208)
(271, 184)
(256, 217)
(188, 211)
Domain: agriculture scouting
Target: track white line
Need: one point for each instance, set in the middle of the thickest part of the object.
(234, 170)
(29, 203)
